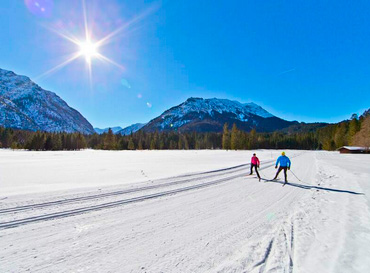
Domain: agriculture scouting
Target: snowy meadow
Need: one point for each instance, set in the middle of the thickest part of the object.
(183, 211)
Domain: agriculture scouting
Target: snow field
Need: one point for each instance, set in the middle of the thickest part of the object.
(218, 221)
(23, 172)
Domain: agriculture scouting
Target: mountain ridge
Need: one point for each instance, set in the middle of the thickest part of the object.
(25, 105)
(114, 129)
(131, 129)
(209, 115)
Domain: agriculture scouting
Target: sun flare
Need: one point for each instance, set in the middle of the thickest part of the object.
(88, 50)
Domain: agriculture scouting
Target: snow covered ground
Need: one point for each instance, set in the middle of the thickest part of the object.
(182, 211)
(33, 172)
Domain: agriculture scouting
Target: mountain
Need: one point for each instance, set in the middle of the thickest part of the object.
(209, 115)
(102, 131)
(25, 105)
(303, 127)
(131, 129)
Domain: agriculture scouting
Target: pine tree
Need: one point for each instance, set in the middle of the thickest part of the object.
(234, 138)
(152, 144)
(48, 143)
(253, 139)
(340, 135)
(180, 144)
(131, 144)
(173, 145)
(110, 140)
(186, 143)
(225, 138)
(354, 127)
(57, 142)
(161, 144)
(140, 145)
(80, 142)
(123, 143)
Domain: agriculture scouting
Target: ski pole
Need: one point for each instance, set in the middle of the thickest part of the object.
(262, 173)
(295, 175)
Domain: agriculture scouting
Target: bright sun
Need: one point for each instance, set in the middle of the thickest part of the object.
(89, 50)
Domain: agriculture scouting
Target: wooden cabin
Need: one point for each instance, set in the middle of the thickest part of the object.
(353, 150)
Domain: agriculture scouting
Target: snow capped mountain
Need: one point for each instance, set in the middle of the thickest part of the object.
(102, 131)
(25, 105)
(131, 129)
(204, 115)
(217, 105)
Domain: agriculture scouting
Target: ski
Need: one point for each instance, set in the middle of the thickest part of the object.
(268, 180)
(274, 180)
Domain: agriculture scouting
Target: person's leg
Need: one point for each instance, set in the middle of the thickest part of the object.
(251, 169)
(258, 175)
(279, 170)
(285, 174)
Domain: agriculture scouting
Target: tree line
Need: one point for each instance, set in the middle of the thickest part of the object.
(350, 132)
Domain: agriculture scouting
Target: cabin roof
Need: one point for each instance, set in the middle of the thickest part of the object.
(354, 148)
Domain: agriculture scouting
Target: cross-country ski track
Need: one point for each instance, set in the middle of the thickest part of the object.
(210, 221)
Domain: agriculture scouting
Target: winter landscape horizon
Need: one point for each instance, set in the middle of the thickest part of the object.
(184, 136)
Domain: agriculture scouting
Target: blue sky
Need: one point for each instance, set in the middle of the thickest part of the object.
(300, 60)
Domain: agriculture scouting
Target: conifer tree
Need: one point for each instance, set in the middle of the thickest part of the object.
(234, 138)
(140, 145)
(131, 144)
(354, 127)
(110, 140)
(226, 138)
(48, 143)
(152, 144)
(57, 142)
(180, 144)
(161, 144)
(253, 139)
(340, 135)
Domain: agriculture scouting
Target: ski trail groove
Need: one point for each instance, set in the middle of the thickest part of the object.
(73, 212)
(96, 196)
(266, 256)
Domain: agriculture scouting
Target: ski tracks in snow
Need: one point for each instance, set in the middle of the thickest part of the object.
(271, 247)
(217, 221)
(334, 228)
(66, 207)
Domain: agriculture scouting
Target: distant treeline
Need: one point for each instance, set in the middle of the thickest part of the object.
(355, 131)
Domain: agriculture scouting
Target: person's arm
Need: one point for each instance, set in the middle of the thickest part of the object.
(277, 162)
(289, 163)
(258, 162)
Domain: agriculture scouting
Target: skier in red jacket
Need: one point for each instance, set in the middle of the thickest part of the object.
(256, 164)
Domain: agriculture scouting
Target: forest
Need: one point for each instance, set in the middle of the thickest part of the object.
(355, 131)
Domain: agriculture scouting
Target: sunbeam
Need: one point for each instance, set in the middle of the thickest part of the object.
(59, 66)
(136, 19)
(88, 46)
(104, 58)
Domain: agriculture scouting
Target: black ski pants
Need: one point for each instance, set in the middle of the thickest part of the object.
(255, 167)
(279, 170)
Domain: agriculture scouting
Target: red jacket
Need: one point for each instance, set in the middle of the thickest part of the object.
(255, 161)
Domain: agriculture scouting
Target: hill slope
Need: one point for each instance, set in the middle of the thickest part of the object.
(25, 105)
(209, 115)
(131, 129)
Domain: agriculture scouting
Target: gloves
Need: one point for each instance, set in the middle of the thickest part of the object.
(288, 168)
(275, 167)
(258, 166)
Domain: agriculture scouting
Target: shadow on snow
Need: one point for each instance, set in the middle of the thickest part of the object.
(309, 187)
